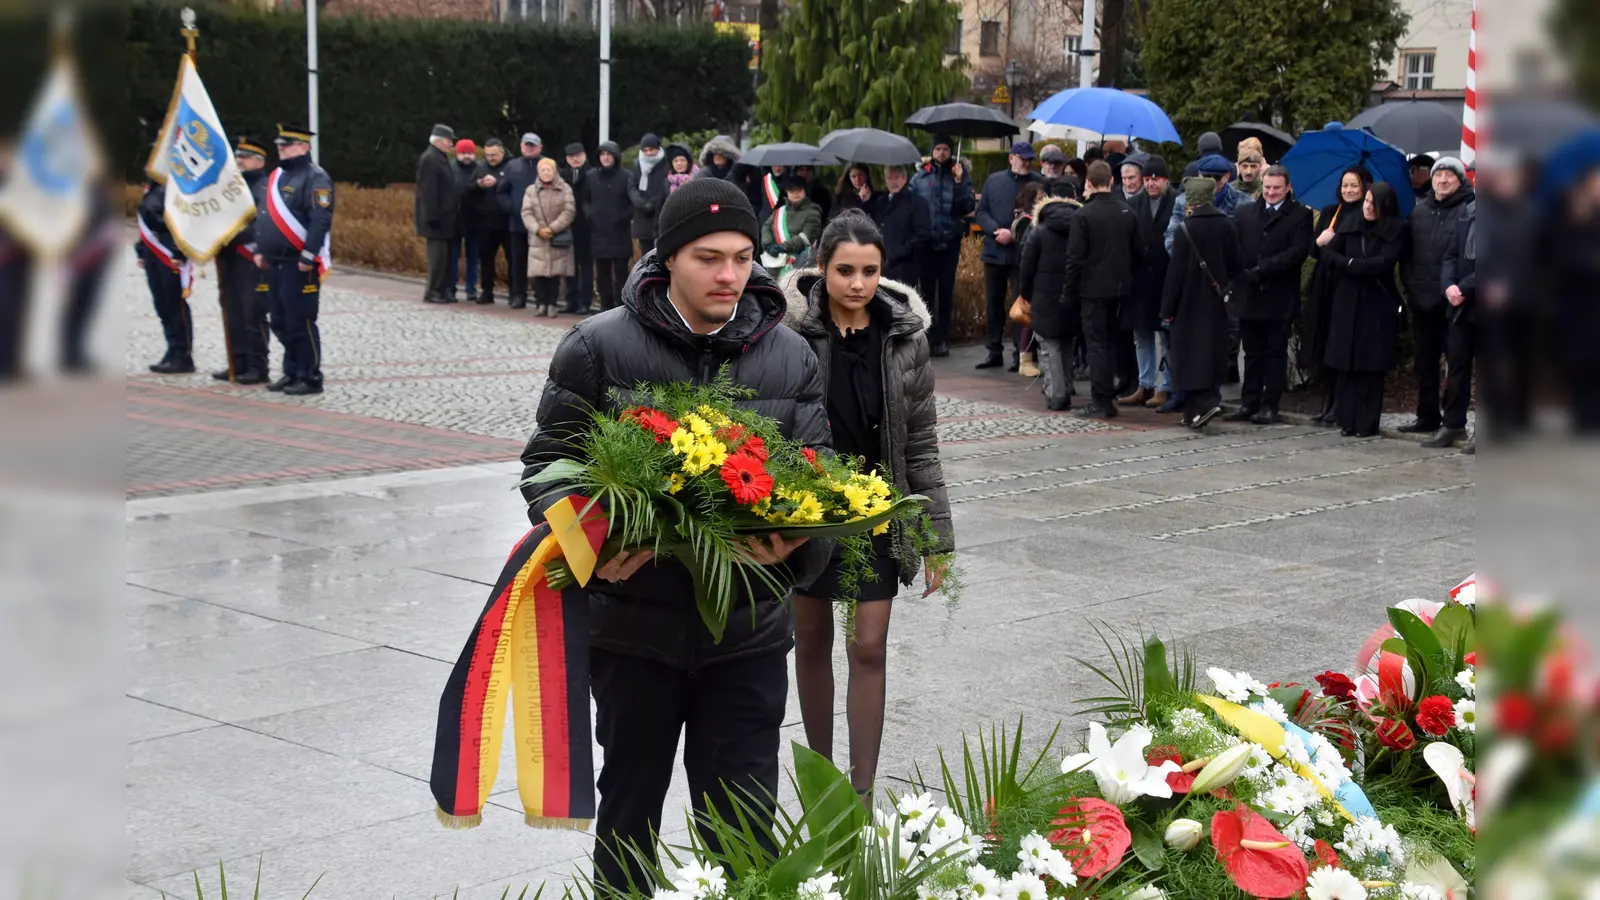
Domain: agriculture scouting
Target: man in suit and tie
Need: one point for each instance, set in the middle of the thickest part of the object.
(1274, 241)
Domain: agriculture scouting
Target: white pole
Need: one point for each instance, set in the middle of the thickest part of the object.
(311, 80)
(605, 70)
(1086, 50)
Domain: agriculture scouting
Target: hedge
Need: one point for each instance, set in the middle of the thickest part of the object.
(385, 82)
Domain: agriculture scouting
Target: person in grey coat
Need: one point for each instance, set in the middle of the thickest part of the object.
(994, 215)
(871, 343)
(438, 201)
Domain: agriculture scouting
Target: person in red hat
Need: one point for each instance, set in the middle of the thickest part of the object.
(466, 236)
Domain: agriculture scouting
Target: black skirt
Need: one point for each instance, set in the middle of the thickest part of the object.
(884, 587)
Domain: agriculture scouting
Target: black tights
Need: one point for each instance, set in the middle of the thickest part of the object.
(864, 698)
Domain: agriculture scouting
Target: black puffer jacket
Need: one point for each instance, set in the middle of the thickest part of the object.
(911, 434)
(1044, 266)
(1433, 228)
(652, 614)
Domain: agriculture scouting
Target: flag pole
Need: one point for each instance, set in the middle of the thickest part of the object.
(1469, 110)
(190, 34)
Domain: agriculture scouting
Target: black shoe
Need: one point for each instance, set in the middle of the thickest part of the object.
(1063, 406)
(484, 299)
(1367, 433)
(221, 374)
(1471, 449)
(302, 388)
(438, 299)
(1446, 437)
(940, 349)
(518, 302)
(1014, 365)
(173, 367)
(250, 378)
(1201, 420)
(1242, 414)
(1096, 411)
(993, 361)
(1347, 432)
(281, 384)
(1326, 416)
(1416, 426)
(1267, 416)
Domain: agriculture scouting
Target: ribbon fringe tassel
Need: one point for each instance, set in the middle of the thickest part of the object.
(457, 822)
(550, 823)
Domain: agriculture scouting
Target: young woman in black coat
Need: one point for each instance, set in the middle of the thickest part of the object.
(1344, 215)
(1364, 319)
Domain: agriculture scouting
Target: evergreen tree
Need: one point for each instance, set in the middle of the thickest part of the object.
(862, 63)
(1296, 64)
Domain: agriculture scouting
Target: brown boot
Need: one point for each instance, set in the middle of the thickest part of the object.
(1137, 398)
(1160, 398)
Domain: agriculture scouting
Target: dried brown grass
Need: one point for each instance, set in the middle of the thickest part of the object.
(373, 229)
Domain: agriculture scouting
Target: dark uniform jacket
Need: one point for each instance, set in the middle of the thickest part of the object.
(438, 195)
(1273, 247)
(653, 614)
(308, 193)
(1106, 246)
(245, 240)
(153, 213)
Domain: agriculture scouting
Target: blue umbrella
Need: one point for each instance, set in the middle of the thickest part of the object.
(1568, 164)
(1108, 111)
(1319, 158)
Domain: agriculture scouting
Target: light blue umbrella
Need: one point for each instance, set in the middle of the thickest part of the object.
(1318, 159)
(1108, 111)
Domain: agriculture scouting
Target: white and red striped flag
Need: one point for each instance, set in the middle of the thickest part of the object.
(1469, 113)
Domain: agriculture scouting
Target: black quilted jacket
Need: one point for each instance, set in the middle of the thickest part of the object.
(652, 614)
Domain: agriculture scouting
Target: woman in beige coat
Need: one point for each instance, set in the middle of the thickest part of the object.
(548, 209)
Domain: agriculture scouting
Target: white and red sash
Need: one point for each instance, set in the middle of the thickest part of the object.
(166, 256)
(291, 227)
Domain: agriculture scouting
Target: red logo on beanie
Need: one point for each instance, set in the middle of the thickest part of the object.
(716, 207)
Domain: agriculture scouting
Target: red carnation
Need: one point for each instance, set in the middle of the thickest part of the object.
(1326, 855)
(1180, 781)
(811, 457)
(1513, 713)
(754, 447)
(1471, 659)
(1338, 686)
(654, 421)
(733, 434)
(1395, 735)
(1436, 715)
(1095, 837)
(1259, 859)
(746, 478)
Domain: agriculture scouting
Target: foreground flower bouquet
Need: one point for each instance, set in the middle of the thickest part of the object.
(690, 474)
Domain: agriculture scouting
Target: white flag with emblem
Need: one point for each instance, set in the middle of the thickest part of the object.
(208, 202)
(46, 200)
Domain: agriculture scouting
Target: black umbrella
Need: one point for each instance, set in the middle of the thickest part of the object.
(1274, 143)
(871, 146)
(1532, 126)
(1415, 126)
(964, 120)
(790, 153)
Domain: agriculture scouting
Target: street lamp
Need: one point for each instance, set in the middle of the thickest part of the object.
(1013, 76)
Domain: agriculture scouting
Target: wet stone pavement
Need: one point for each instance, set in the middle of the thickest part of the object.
(302, 572)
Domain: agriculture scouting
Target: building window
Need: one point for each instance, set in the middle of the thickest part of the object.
(1074, 61)
(1416, 70)
(989, 38)
(953, 48)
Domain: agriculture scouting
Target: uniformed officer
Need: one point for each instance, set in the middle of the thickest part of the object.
(168, 274)
(292, 247)
(243, 284)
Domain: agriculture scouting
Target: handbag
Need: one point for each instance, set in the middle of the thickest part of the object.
(1021, 312)
(1230, 304)
(561, 239)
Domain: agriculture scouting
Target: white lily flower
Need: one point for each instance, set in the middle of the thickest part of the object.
(1183, 834)
(1121, 770)
(1224, 768)
(1332, 883)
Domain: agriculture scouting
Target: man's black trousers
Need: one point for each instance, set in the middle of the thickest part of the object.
(732, 712)
(1266, 361)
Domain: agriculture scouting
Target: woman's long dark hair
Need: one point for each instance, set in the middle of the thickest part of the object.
(849, 226)
(1385, 201)
(1026, 198)
(844, 179)
(1359, 171)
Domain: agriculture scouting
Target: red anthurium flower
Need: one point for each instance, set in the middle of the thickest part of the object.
(754, 447)
(1326, 856)
(1179, 781)
(1436, 715)
(1513, 713)
(1336, 685)
(1259, 859)
(1395, 734)
(1095, 836)
(746, 478)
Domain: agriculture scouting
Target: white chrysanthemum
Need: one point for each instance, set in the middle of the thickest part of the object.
(1274, 710)
(665, 894)
(1467, 715)
(1022, 886)
(916, 811)
(1254, 686)
(699, 880)
(1468, 679)
(1412, 891)
(820, 888)
(908, 852)
(1330, 883)
(946, 820)
(1034, 848)
(1289, 799)
(1229, 686)
(1189, 721)
(1323, 816)
(983, 883)
(926, 891)
(1368, 838)
(1260, 762)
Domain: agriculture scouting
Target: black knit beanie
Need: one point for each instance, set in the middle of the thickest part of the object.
(700, 207)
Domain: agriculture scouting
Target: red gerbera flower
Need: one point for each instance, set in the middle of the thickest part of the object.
(1395, 734)
(1336, 685)
(1259, 859)
(654, 421)
(746, 478)
(1326, 855)
(1095, 837)
(1436, 715)
(733, 434)
(1180, 781)
(1513, 713)
(754, 447)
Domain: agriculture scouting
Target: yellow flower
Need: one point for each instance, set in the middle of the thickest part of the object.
(808, 511)
(675, 483)
(763, 506)
(715, 418)
(698, 460)
(682, 441)
(697, 425)
(858, 497)
(881, 529)
(717, 451)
